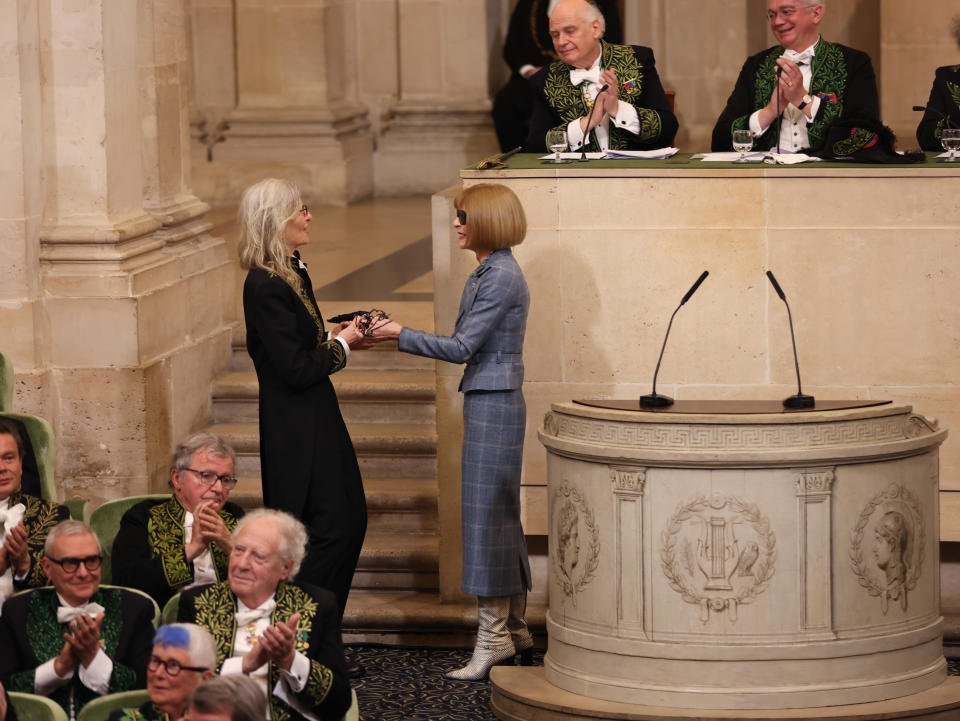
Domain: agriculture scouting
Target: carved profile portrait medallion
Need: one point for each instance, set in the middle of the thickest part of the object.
(887, 546)
(574, 539)
(718, 553)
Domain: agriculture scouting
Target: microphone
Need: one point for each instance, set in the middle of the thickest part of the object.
(654, 399)
(779, 111)
(586, 138)
(799, 400)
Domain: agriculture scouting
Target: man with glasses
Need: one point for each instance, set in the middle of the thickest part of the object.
(163, 547)
(816, 81)
(25, 520)
(283, 635)
(75, 641)
(183, 655)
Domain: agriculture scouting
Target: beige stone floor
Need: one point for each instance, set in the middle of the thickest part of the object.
(380, 245)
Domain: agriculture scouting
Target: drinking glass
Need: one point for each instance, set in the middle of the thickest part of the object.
(742, 143)
(950, 140)
(557, 142)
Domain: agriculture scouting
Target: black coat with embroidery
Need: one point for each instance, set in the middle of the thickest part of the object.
(558, 102)
(943, 104)
(149, 552)
(303, 439)
(327, 692)
(31, 636)
(842, 76)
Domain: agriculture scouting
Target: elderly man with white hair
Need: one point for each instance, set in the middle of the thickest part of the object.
(805, 81)
(632, 113)
(284, 635)
(74, 641)
(183, 655)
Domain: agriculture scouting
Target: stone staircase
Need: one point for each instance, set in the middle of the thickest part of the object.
(388, 402)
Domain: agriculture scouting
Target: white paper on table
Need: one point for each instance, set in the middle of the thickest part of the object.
(789, 158)
(755, 156)
(573, 156)
(656, 154)
(942, 155)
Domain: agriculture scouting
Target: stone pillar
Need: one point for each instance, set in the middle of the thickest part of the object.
(117, 288)
(441, 121)
(297, 114)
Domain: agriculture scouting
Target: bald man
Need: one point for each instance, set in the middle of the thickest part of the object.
(631, 114)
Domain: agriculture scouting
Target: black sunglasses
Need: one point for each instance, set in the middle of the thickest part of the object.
(70, 564)
(462, 217)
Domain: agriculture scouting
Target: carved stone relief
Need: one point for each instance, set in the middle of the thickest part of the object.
(576, 552)
(718, 553)
(887, 546)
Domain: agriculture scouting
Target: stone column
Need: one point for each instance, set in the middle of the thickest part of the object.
(441, 121)
(117, 289)
(297, 114)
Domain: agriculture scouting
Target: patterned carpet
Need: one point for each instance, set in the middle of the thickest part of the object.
(407, 684)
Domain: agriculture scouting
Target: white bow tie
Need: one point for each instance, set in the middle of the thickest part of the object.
(65, 614)
(803, 58)
(578, 75)
(252, 615)
(10, 517)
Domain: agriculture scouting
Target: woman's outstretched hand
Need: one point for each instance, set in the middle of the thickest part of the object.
(387, 331)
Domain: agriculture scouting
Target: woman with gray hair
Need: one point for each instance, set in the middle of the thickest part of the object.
(183, 655)
(943, 107)
(227, 698)
(307, 463)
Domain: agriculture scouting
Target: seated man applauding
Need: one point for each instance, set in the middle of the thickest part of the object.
(74, 641)
(25, 520)
(163, 547)
(286, 636)
(183, 655)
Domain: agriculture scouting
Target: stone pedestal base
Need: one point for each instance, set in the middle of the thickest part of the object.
(518, 692)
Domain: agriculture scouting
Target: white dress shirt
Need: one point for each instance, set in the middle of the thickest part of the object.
(247, 636)
(95, 677)
(793, 129)
(203, 571)
(626, 117)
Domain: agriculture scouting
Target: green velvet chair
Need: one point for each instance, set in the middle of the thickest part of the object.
(99, 709)
(30, 707)
(170, 608)
(105, 522)
(6, 384)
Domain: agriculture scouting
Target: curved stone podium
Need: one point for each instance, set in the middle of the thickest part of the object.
(742, 558)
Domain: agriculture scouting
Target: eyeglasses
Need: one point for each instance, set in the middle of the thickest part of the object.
(304, 210)
(71, 564)
(208, 478)
(462, 217)
(171, 666)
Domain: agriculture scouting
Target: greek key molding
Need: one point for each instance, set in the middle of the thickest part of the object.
(669, 436)
(628, 479)
(815, 481)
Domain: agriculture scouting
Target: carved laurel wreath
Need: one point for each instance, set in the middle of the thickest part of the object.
(567, 584)
(765, 565)
(894, 492)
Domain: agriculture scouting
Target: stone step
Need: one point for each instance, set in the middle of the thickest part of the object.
(392, 561)
(419, 618)
(397, 505)
(384, 450)
(366, 396)
(383, 356)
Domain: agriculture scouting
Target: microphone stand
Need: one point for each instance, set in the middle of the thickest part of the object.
(800, 400)
(586, 138)
(654, 399)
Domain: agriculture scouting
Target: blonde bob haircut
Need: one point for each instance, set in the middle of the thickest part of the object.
(494, 216)
(265, 209)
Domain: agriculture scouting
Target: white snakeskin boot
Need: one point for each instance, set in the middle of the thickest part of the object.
(517, 625)
(494, 645)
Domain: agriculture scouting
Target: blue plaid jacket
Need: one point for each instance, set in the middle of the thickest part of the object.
(488, 335)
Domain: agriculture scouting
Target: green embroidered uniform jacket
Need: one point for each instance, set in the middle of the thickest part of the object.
(39, 517)
(147, 712)
(558, 102)
(327, 693)
(841, 76)
(944, 103)
(31, 636)
(149, 550)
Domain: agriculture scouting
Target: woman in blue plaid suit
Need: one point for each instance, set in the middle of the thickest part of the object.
(488, 337)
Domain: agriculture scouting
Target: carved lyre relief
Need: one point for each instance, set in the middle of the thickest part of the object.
(891, 525)
(575, 540)
(718, 553)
